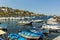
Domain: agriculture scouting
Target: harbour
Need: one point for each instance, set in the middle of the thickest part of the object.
(13, 27)
(29, 20)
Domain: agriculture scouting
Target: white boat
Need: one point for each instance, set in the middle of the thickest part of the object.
(52, 21)
(57, 38)
(4, 19)
(23, 22)
(37, 20)
(2, 32)
(55, 27)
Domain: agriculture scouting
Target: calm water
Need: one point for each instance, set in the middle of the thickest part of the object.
(13, 27)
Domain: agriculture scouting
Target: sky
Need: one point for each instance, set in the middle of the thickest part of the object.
(48, 7)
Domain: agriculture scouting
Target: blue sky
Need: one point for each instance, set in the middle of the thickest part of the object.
(49, 7)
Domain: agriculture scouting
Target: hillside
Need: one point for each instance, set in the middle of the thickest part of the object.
(10, 12)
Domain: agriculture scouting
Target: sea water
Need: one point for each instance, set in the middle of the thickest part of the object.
(13, 27)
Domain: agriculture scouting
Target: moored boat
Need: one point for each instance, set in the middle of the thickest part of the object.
(14, 36)
(55, 27)
(54, 20)
(36, 21)
(24, 23)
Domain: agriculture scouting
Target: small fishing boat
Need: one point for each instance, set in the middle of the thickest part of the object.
(55, 27)
(29, 35)
(14, 36)
(32, 35)
(34, 30)
(40, 31)
(54, 20)
(36, 21)
(2, 32)
(24, 23)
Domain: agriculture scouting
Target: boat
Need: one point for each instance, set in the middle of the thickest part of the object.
(57, 38)
(29, 35)
(29, 17)
(34, 30)
(54, 20)
(32, 35)
(36, 21)
(38, 30)
(5, 19)
(14, 36)
(24, 23)
(55, 27)
(2, 32)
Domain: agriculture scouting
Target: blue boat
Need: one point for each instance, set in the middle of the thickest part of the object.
(35, 30)
(28, 33)
(31, 35)
(14, 36)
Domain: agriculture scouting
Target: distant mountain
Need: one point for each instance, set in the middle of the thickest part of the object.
(10, 12)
